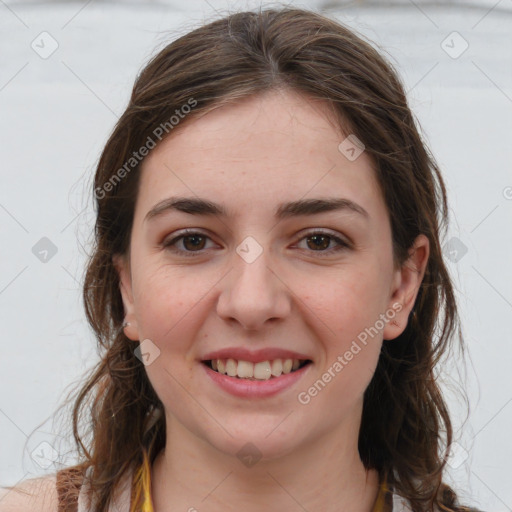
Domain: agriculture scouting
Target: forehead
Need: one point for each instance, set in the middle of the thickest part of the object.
(251, 155)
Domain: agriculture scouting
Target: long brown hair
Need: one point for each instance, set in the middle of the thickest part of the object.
(406, 428)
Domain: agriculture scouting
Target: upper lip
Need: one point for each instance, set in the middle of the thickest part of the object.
(253, 356)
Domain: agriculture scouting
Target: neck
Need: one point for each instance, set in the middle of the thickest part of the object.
(325, 474)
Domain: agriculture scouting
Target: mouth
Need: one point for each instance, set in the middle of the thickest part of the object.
(263, 370)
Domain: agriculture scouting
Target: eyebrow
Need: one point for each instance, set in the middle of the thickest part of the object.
(199, 206)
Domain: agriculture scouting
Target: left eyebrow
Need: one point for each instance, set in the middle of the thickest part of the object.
(199, 206)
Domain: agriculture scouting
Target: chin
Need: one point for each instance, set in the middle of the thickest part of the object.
(256, 444)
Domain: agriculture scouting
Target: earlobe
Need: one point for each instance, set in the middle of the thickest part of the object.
(406, 285)
(122, 267)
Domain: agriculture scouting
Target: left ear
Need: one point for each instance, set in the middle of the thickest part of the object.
(406, 285)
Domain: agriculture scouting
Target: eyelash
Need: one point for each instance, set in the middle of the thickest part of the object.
(188, 232)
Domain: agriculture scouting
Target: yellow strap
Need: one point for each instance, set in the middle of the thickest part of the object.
(142, 487)
(381, 496)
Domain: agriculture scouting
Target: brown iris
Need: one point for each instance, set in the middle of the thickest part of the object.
(316, 238)
(195, 244)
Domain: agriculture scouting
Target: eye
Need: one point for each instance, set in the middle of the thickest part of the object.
(319, 241)
(193, 243)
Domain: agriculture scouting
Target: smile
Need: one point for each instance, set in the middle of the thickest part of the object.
(263, 370)
(252, 387)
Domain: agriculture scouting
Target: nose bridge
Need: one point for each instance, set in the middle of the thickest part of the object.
(252, 293)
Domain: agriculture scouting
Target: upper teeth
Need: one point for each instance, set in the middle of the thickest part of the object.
(263, 370)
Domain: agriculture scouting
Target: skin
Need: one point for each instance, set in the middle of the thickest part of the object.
(250, 157)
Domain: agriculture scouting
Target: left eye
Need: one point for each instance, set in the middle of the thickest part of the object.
(320, 240)
(194, 242)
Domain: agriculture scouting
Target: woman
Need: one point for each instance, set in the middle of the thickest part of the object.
(266, 286)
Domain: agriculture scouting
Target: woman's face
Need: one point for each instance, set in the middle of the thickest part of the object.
(268, 274)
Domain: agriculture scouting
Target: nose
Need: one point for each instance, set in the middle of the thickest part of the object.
(253, 294)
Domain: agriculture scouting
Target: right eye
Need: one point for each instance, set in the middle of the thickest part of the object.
(192, 242)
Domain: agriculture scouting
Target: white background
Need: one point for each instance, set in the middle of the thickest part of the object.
(56, 114)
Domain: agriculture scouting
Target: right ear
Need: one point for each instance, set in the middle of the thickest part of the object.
(122, 266)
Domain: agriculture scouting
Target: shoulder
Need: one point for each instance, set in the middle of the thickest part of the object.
(33, 495)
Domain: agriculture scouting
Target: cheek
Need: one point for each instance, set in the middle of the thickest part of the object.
(348, 311)
(351, 347)
(168, 306)
(350, 302)
(168, 314)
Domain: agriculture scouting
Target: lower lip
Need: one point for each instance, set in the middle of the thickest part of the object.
(255, 388)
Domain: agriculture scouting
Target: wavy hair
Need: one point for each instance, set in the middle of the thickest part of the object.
(406, 429)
